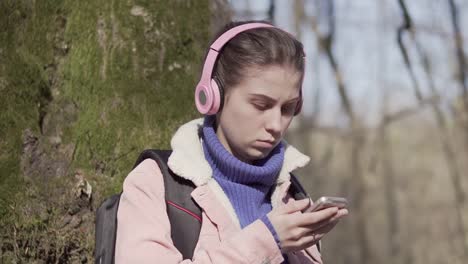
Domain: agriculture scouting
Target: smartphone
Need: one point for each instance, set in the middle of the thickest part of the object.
(326, 202)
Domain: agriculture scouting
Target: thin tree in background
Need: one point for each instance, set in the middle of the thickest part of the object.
(450, 156)
(386, 151)
(325, 43)
(460, 53)
(271, 11)
(461, 75)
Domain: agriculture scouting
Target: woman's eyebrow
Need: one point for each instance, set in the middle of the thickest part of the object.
(268, 98)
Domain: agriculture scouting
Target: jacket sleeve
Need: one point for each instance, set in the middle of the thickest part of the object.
(143, 233)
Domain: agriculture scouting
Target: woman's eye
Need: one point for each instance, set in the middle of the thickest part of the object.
(260, 106)
(289, 109)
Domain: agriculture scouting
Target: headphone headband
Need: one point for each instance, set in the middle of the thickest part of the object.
(208, 97)
(231, 33)
(219, 43)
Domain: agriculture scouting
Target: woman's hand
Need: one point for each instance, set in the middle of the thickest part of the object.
(297, 230)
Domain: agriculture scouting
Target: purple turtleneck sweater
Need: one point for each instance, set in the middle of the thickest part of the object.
(247, 186)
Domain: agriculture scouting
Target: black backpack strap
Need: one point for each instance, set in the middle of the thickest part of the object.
(298, 193)
(184, 214)
(296, 190)
(105, 232)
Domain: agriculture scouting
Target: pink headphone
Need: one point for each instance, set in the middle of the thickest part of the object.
(208, 94)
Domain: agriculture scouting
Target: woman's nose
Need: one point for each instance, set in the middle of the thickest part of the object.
(273, 123)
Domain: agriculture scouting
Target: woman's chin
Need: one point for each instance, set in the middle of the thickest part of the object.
(256, 154)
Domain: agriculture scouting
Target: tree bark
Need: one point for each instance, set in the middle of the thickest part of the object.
(86, 86)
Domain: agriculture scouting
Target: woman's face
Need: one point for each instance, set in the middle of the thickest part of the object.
(257, 111)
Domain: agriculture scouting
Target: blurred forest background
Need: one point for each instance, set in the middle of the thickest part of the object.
(86, 85)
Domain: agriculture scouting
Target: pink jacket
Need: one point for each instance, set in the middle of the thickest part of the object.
(143, 234)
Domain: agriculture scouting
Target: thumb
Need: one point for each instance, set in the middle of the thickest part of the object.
(295, 206)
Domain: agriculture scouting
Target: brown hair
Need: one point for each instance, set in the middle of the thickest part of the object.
(256, 47)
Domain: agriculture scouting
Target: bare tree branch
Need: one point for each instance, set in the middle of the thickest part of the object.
(271, 11)
(450, 155)
(462, 78)
(387, 119)
(407, 26)
(460, 52)
(325, 42)
(389, 191)
(385, 153)
(405, 112)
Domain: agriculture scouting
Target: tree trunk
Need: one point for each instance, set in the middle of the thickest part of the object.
(86, 85)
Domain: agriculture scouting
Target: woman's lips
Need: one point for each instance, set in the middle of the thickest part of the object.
(264, 144)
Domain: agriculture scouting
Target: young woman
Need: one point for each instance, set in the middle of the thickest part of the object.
(249, 92)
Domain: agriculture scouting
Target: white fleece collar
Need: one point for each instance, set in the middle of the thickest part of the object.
(188, 160)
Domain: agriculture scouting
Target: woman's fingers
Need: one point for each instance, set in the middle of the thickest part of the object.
(310, 237)
(306, 240)
(294, 206)
(340, 214)
(321, 229)
(307, 219)
(329, 221)
(343, 212)
(322, 217)
(297, 230)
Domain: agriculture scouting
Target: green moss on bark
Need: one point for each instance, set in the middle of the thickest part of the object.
(90, 84)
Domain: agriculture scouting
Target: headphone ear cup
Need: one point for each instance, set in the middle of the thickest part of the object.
(215, 91)
(203, 98)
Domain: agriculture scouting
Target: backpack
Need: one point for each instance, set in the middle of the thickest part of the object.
(184, 214)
